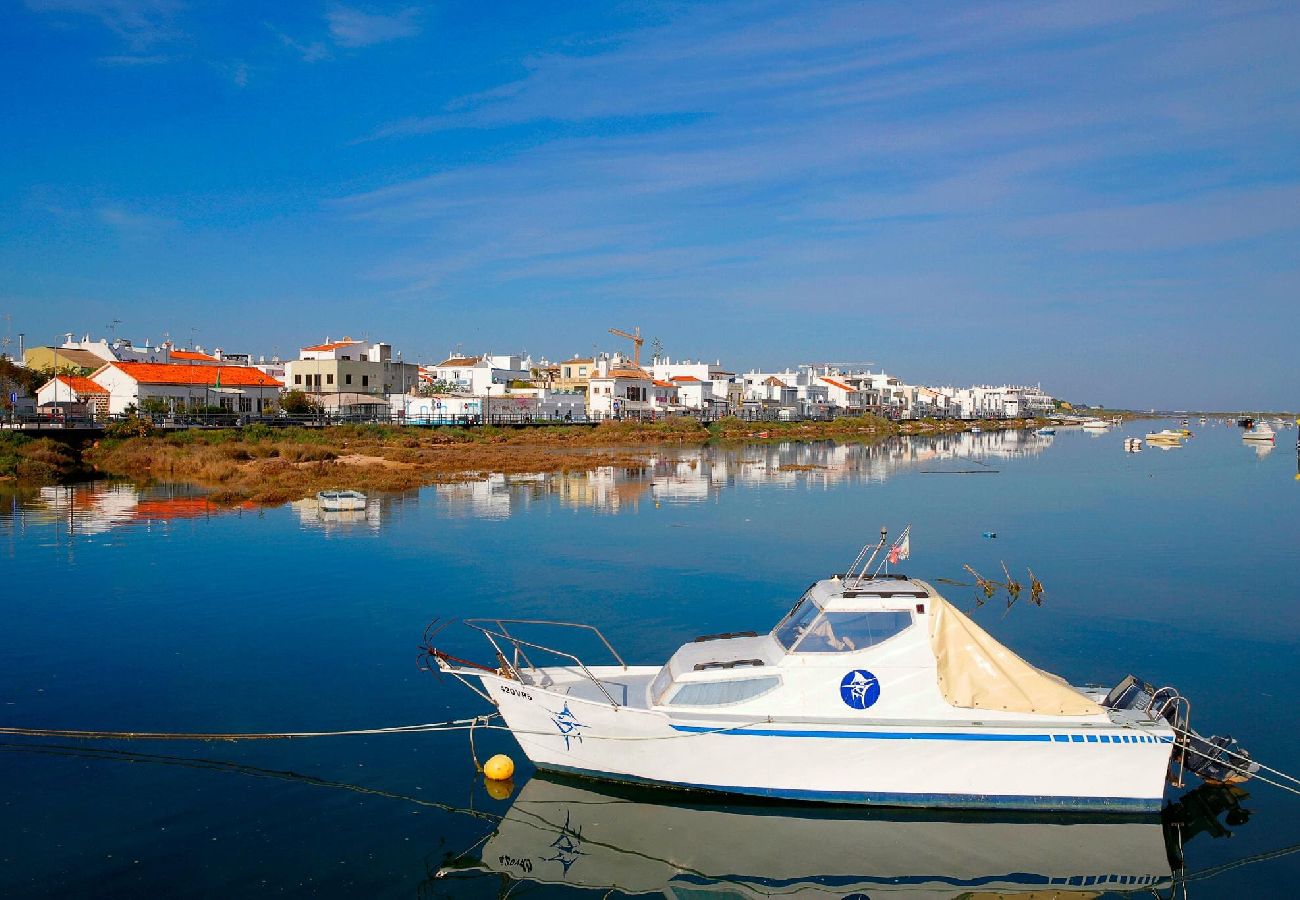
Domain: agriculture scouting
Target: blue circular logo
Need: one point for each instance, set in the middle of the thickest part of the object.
(860, 689)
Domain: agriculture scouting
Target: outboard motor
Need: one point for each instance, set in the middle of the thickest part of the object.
(1215, 760)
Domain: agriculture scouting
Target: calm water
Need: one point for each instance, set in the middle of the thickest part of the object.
(150, 610)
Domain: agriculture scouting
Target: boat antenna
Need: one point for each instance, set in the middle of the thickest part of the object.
(862, 555)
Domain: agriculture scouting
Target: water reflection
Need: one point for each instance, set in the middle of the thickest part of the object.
(602, 837)
(98, 507)
(379, 507)
(696, 474)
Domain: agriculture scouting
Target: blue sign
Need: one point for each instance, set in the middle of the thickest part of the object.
(860, 689)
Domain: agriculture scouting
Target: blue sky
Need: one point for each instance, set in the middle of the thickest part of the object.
(1104, 197)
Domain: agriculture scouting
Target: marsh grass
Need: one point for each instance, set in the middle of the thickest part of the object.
(272, 465)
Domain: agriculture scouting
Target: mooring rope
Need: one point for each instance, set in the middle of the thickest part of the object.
(452, 725)
(1240, 770)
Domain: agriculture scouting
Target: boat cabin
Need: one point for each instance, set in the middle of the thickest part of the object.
(886, 647)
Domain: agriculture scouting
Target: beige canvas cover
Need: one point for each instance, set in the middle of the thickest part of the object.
(976, 672)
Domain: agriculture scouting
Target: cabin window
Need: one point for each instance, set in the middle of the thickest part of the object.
(796, 622)
(718, 693)
(844, 632)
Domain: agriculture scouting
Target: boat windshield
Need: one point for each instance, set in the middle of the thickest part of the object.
(841, 632)
(796, 622)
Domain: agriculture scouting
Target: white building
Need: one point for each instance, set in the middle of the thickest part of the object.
(238, 389)
(843, 395)
(350, 373)
(618, 390)
(489, 374)
(692, 393)
(71, 391)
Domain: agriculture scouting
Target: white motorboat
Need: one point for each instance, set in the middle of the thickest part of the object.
(1166, 437)
(872, 690)
(609, 839)
(1045, 431)
(1095, 425)
(340, 501)
(1261, 432)
(1133, 445)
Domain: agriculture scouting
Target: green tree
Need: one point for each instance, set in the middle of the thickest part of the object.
(298, 403)
(433, 388)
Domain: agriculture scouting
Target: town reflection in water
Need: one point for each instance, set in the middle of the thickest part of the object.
(688, 475)
(98, 507)
(675, 475)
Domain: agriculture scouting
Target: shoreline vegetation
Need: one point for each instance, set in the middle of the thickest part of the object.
(274, 465)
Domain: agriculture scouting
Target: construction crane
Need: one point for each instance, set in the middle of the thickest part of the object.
(636, 340)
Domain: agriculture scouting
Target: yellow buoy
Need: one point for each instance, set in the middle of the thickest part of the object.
(499, 768)
(499, 790)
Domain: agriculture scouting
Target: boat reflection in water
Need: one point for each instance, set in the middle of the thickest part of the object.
(587, 835)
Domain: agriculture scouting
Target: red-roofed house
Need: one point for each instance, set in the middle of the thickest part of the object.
(74, 390)
(663, 396)
(842, 394)
(619, 391)
(193, 385)
(693, 393)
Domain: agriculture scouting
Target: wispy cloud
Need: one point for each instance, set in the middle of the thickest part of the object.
(350, 27)
(140, 23)
(130, 224)
(308, 51)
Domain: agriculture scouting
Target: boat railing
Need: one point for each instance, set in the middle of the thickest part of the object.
(518, 659)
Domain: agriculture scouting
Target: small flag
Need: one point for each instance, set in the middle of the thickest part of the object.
(901, 550)
(218, 377)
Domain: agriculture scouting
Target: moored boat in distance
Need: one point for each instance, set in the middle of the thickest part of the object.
(872, 690)
(1261, 432)
(1133, 445)
(340, 501)
(1166, 438)
(1046, 430)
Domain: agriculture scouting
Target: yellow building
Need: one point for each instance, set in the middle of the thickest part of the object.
(60, 359)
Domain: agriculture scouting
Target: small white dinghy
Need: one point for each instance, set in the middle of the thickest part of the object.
(340, 501)
(872, 690)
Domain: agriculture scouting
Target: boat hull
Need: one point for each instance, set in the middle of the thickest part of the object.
(932, 764)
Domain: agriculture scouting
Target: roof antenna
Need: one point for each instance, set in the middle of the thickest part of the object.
(862, 554)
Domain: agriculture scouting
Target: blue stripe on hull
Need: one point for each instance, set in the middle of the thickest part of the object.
(875, 798)
(927, 735)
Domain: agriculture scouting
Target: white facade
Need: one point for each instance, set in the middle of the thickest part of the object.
(618, 390)
(489, 374)
(241, 389)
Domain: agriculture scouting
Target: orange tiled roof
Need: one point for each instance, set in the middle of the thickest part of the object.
(628, 373)
(192, 355)
(460, 361)
(80, 384)
(659, 383)
(332, 345)
(163, 373)
(839, 384)
(683, 378)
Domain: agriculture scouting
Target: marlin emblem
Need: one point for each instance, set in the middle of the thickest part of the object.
(568, 725)
(567, 845)
(859, 686)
